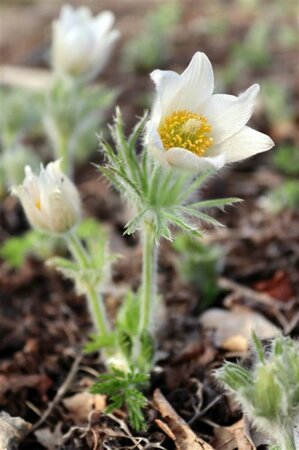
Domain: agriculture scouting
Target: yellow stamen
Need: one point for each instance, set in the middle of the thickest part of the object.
(186, 130)
(38, 204)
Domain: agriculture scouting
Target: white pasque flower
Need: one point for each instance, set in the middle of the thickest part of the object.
(81, 43)
(192, 128)
(50, 200)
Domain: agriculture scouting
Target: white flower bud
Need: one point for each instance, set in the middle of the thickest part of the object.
(82, 44)
(50, 200)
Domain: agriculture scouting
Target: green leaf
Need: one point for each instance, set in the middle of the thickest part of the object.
(147, 350)
(96, 342)
(258, 346)
(124, 389)
(15, 250)
(128, 314)
(217, 203)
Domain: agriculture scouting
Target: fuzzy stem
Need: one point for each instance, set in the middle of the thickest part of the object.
(63, 153)
(148, 288)
(287, 441)
(95, 302)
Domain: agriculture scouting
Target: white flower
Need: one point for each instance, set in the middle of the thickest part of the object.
(82, 44)
(192, 128)
(50, 200)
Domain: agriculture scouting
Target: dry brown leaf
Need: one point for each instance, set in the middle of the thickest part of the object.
(279, 286)
(50, 439)
(233, 328)
(17, 382)
(176, 428)
(230, 438)
(80, 405)
(12, 431)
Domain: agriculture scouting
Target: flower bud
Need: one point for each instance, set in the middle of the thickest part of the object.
(50, 200)
(82, 44)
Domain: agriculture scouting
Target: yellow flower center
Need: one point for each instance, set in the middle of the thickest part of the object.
(187, 130)
(38, 204)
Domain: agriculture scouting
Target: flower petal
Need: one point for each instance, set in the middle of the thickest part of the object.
(103, 51)
(197, 84)
(184, 159)
(188, 90)
(246, 143)
(154, 144)
(103, 22)
(228, 114)
(167, 83)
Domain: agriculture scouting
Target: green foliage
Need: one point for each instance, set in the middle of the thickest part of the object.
(276, 102)
(286, 196)
(286, 160)
(251, 52)
(268, 392)
(19, 119)
(73, 113)
(200, 265)
(15, 249)
(151, 48)
(12, 163)
(159, 195)
(20, 115)
(96, 270)
(125, 341)
(123, 389)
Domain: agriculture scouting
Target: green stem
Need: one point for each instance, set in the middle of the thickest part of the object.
(95, 302)
(62, 152)
(287, 441)
(148, 288)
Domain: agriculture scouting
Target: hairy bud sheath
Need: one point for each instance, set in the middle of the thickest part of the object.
(50, 200)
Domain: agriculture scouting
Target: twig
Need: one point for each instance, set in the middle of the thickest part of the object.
(124, 427)
(260, 297)
(60, 393)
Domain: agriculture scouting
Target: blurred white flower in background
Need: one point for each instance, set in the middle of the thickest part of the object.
(50, 200)
(192, 128)
(82, 44)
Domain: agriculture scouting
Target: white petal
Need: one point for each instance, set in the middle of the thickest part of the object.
(184, 159)
(167, 83)
(197, 83)
(246, 143)
(229, 114)
(186, 91)
(154, 144)
(103, 52)
(103, 22)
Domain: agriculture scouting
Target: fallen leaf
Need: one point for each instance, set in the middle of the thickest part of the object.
(233, 437)
(233, 328)
(176, 427)
(15, 383)
(80, 405)
(12, 431)
(50, 439)
(279, 286)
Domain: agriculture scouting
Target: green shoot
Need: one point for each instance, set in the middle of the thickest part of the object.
(123, 389)
(268, 392)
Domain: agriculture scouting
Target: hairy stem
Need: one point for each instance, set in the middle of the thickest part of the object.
(287, 441)
(63, 154)
(148, 288)
(95, 301)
